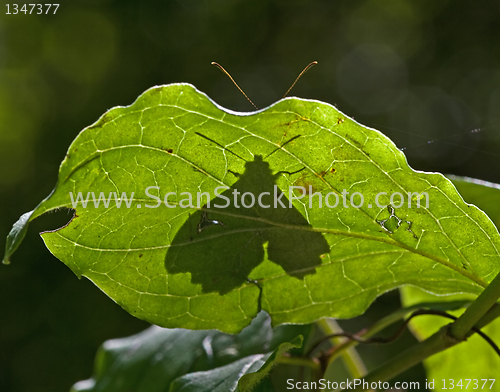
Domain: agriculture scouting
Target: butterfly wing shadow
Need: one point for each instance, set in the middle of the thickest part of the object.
(219, 247)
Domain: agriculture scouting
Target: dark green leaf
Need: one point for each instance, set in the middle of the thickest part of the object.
(16, 236)
(223, 379)
(152, 359)
(250, 380)
(243, 375)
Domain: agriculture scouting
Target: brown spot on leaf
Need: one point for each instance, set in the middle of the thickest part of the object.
(307, 185)
(300, 118)
(105, 119)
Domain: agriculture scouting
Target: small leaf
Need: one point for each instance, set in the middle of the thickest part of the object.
(250, 380)
(243, 375)
(16, 236)
(223, 379)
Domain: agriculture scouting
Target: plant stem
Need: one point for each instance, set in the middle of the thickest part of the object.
(412, 356)
(479, 313)
(315, 366)
(491, 315)
(350, 356)
(400, 314)
(375, 328)
(477, 309)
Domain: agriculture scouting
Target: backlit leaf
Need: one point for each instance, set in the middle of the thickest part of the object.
(206, 268)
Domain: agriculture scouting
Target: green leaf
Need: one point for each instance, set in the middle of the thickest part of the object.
(243, 375)
(153, 359)
(16, 236)
(223, 379)
(481, 193)
(213, 267)
(250, 380)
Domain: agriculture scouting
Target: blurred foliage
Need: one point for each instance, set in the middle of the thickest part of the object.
(418, 71)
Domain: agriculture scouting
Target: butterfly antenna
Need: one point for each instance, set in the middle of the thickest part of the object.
(236, 84)
(298, 77)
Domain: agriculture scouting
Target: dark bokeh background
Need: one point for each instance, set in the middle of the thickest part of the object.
(417, 70)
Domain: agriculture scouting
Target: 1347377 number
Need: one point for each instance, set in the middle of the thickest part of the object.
(468, 383)
(13, 9)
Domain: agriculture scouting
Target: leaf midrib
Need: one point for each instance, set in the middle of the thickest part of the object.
(280, 225)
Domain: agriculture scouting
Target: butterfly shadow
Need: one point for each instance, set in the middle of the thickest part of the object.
(220, 247)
